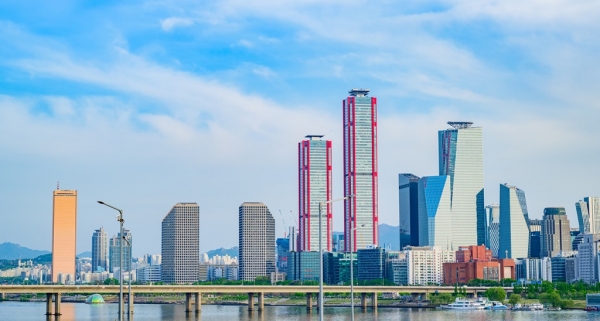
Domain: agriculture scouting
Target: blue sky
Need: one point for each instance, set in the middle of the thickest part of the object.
(146, 104)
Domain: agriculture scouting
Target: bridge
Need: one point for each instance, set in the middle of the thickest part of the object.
(55, 291)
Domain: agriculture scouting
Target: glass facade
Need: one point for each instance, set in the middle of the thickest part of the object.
(360, 169)
(461, 158)
(408, 189)
(556, 232)
(314, 187)
(303, 266)
(514, 227)
(371, 264)
(435, 217)
(588, 215)
(115, 252)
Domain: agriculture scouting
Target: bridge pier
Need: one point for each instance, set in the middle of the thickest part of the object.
(198, 298)
(309, 302)
(250, 301)
(49, 304)
(374, 300)
(261, 301)
(363, 300)
(188, 302)
(57, 303)
(130, 301)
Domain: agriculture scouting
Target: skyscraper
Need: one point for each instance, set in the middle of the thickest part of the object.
(360, 170)
(493, 228)
(435, 216)
(115, 251)
(64, 233)
(461, 158)
(99, 251)
(314, 187)
(556, 232)
(180, 252)
(408, 186)
(514, 228)
(256, 241)
(588, 215)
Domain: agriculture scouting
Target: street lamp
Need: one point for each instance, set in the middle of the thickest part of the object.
(352, 273)
(121, 221)
(129, 298)
(321, 254)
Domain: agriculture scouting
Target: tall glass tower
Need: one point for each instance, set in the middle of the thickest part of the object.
(99, 251)
(514, 223)
(360, 170)
(314, 187)
(588, 215)
(435, 215)
(461, 158)
(115, 251)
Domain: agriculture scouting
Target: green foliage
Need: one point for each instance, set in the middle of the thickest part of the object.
(508, 282)
(495, 294)
(441, 298)
(111, 281)
(514, 299)
(518, 289)
(480, 282)
(262, 280)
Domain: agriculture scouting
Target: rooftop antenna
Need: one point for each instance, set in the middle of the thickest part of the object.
(57, 185)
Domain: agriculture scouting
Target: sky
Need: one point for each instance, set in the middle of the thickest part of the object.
(143, 104)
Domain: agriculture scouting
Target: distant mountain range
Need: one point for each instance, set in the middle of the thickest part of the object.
(233, 252)
(12, 251)
(389, 235)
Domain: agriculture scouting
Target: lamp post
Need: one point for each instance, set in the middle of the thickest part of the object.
(352, 273)
(321, 254)
(121, 221)
(129, 298)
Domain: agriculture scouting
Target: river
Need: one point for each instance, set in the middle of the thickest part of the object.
(16, 311)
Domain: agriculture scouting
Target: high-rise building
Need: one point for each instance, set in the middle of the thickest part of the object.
(408, 186)
(461, 158)
(360, 170)
(587, 257)
(514, 218)
(115, 251)
(435, 216)
(180, 248)
(535, 238)
(588, 215)
(556, 232)
(425, 264)
(493, 228)
(283, 248)
(256, 241)
(64, 233)
(314, 187)
(99, 251)
(372, 265)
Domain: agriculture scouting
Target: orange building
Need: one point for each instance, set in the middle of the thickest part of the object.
(64, 226)
(475, 262)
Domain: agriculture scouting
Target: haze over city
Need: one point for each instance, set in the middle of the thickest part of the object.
(143, 105)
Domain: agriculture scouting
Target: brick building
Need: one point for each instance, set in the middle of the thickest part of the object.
(476, 262)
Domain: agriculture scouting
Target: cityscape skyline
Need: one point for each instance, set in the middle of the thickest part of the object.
(175, 108)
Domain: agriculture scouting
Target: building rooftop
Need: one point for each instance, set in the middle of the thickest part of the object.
(314, 136)
(460, 124)
(358, 92)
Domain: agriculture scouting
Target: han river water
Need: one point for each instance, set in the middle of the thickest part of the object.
(16, 311)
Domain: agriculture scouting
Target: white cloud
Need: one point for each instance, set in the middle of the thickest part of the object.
(174, 22)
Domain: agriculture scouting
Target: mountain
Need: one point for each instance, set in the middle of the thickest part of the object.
(389, 235)
(11, 251)
(85, 254)
(233, 252)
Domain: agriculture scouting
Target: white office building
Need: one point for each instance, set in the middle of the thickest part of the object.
(425, 264)
(256, 241)
(588, 215)
(181, 244)
(587, 258)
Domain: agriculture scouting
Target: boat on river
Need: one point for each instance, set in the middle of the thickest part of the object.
(464, 304)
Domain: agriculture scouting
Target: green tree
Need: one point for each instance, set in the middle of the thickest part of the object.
(518, 289)
(495, 294)
(514, 299)
(441, 298)
(111, 281)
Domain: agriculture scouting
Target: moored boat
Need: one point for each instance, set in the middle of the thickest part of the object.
(464, 304)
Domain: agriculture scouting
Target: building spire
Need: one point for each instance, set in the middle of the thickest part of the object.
(57, 185)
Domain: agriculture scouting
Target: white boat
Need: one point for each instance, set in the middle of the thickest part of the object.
(463, 304)
(533, 307)
(498, 306)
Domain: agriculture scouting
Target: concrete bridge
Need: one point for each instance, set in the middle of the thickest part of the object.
(55, 291)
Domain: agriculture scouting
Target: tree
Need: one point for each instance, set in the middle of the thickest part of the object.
(441, 298)
(495, 294)
(514, 299)
(517, 289)
(111, 281)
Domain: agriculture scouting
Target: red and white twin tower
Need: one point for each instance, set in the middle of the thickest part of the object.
(360, 179)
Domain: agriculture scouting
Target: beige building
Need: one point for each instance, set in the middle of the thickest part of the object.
(64, 229)
(556, 232)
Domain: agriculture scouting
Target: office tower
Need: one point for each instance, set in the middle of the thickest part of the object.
(256, 241)
(535, 238)
(338, 242)
(492, 238)
(461, 158)
(435, 216)
(283, 248)
(587, 257)
(556, 232)
(360, 170)
(425, 264)
(372, 265)
(293, 237)
(588, 215)
(514, 218)
(314, 187)
(64, 233)
(99, 251)
(115, 251)
(180, 248)
(408, 186)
